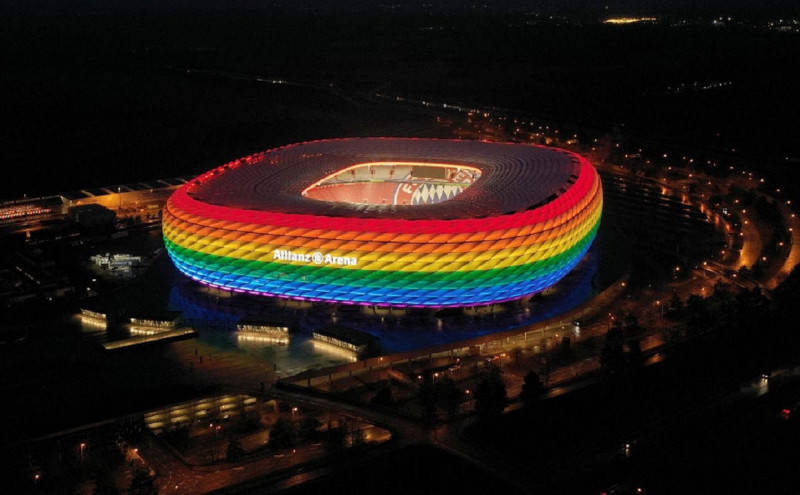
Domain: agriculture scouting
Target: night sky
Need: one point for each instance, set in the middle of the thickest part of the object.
(62, 7)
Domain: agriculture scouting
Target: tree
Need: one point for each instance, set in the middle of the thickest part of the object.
(427, 397)
(674, 307)
(532, 388)
(751, 303)
(744, 273)
(723, 293)
(759, 270)
(491, 397)
(105, 466)
(383, 397)
(612, 356)
(309, 427)
(235, 449)
(452, 396)
(178, 437)
(632, 326)
(635, 356)
(565, 347)
(335, 437)
(698, 318)
(106, 484)
(356, 433)
(282, 434)
(142, 483)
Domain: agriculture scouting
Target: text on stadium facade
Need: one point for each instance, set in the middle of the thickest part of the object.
(316, 257)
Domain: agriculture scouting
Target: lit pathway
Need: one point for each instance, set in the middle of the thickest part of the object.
(751, 243)
(792, 223)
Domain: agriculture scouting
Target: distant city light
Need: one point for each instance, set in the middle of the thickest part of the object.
(629, 20)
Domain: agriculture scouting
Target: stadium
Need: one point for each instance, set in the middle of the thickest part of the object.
(388, 221)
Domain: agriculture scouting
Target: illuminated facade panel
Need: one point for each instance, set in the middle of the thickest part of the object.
(252, 226)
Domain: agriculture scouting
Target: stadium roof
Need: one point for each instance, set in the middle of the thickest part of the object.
(513, 177)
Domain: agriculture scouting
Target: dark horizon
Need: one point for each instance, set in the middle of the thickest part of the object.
(577, 7)
(110, 98)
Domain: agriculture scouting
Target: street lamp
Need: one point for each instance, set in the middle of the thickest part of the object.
(83, 446)
(36, 481)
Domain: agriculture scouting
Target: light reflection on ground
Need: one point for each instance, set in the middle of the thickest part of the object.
(214, 315)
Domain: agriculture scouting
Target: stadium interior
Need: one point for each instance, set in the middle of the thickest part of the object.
(394, 184)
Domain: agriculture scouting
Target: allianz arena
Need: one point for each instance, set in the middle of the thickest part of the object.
(388, 221)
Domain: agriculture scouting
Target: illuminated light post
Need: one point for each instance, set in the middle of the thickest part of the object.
(83, 446)
(36, 481)
(658, 303)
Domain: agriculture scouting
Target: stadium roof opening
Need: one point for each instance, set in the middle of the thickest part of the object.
(395, 183)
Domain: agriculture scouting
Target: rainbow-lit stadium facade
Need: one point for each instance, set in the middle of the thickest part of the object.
(499, 222)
